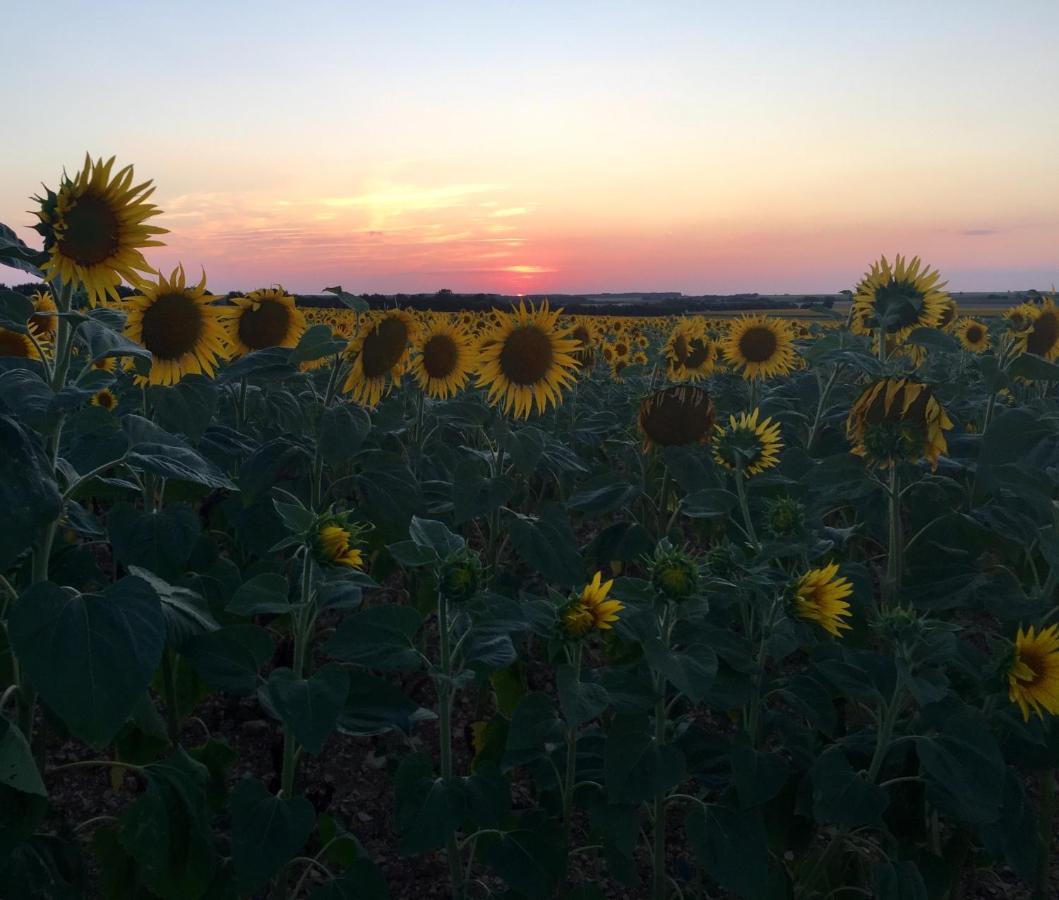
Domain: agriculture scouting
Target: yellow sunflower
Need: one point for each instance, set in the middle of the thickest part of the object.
(180, 325)
(443, 359)
(901, 297)
(333, 545)
(380, 354)
(820, 596)
(44, 319)
(676, 416)
(105, 399)
(760, 346)
(583, 330)
(1033, 679)
(14, 343)
(748, 445)
(898, 418)
(705, 356)
(972, 335)
(1020, 316)
(94, 229)
(677, 346)
(265, 318)
(1041, 335)
(592, 609)
(527, 360)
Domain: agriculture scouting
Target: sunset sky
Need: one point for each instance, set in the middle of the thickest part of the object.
(563, 147)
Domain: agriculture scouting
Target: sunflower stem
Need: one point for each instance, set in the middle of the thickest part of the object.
(744, 505)
(659, 837)
(169, 687)
(571, 757)
(821, 404)
(444, 687)
(892, 583)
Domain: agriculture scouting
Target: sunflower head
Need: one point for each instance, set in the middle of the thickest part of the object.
(14, 343)
(44, 319)
(675, 574)
(444, 358)
(105, 399)
(784, 516)
(591, 609)
(900, 298)
(265, 318)
(180, 325)
(334, 543)
(820, 596)
(527, 360)
(380, 354)
(1020, 317)
(584, 330)
(972, 335)
(748, 446)
(1041, 335)
(1033, 675)
(760, 346)
(898, 419)
(94, 229)
(676, 416)
(460, 575)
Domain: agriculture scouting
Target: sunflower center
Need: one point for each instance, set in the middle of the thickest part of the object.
(91, 233)
(580, 334)
(1029, 661)
(677, 416)
(699, 355)
(265, 326)
(172, 326)
(384, 346)
(757, 344)
(105, 400)
(1044, 334)
(526, 357)
(13, 344)
(440, 355)
(680, 349)
(974, 334)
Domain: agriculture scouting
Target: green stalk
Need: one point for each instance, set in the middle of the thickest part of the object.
(169, 689)
(886, 731)
(895, 543)
(571, 758)
(825, 393)
(452, 850)
(658, 867)
(744, 506)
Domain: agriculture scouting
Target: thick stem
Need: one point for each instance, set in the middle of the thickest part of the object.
(452, 850)
(169, 687)
(886, 731)
(744, 507)
(659, 838)
(895, 547)
(571, 758)
(821, 404)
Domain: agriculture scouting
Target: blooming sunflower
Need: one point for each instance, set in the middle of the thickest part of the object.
(583, 330)
(705, 357)
(380, 354)
(94, 229)
(901, 298)
(677, 346)
(898, 418)
(760, 346)
(265, 318)
(333, 542)
(14, 343)
(1033, 679)
(1041, 335)
(43, 320)
(972, 335)
(676, 416)
(748, 445)
(105, 399)
(1020, 316)
(444, 357)
(180, 325)
(592, 609)
(819, 596)
(527, 360)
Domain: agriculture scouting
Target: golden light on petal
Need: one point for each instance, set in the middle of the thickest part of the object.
(1033, 678)
(895, 419)
(380, 355)
(265, 318)
(444, 358)
(760, 346)
(819, 596)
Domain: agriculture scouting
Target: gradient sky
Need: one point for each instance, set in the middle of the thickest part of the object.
(566, 147)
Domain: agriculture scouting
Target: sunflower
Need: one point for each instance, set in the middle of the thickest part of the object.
(901, 298)
(1020, 316)
(898, 418)
(1033, 679)
(705, 357)
(105, 399)
(972, 335)
(676, 416)
(1041, 336)
(265, 318)
(380, 355)
(949, 313)
(819, 596)
(592, 609)
(94, 229)
(677, 346)
(180, 325)
(443, 359)
(527, 360)
(760, 346)
(333, 544)
(44, 319)
(14, 343)
(746, 445)
(583, 330)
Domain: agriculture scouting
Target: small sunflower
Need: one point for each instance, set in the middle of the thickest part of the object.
(1020, 316)
(333, 544)
(44, 318)
(180, 325)
(265, 318)
(443, 359)
(820, 596)
(895, 419)
(105, 399)
(592, 609)
(677, 346)
(583, 330)
(1041, 336)
(380, 354)
(972, 335)
(901, 297)
(760, 346)
(705, 356)
(527, 360)
(14, 343)
(94, 229)
(748, 445)
(1033, 679)
(676, 416)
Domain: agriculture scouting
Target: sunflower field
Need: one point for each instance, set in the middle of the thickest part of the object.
(348, 604)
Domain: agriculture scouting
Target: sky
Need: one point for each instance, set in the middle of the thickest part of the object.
(567, 147)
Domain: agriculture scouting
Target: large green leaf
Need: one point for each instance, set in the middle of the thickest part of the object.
(229, 658)
(530, 858)
(267, 832)
(535, 726)
(429, 808)
(374, 706)
(90, 656)
(16, 253)
(964, 769)
(309, 707)
(160, 542)
(841, 795)
(547, 544)
(17, 768)
(28, 493)
(731, 846)
(636, 767)
(264, 593)
(341, 431)
(579, 700)
(380, 637)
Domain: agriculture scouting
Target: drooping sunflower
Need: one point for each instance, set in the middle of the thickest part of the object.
(760, 346)
(105, 399)
(901, 298)
(748, 445)
(527, 360)
(180, 325)
(333, 544)
(820, 596)
(898, 419)
(676, 416)
(1041, 336)
(380, 354)
(265, 318)
(443, 359)
(592, 609)
(94, 229)
(1033, 678)
(44, 318)
(14, 343)
(972, 335)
